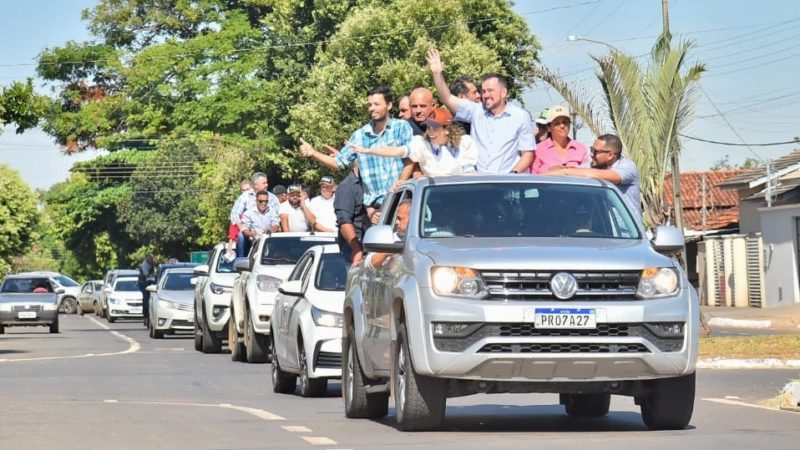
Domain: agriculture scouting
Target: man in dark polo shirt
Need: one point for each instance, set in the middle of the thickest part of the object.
(351, 216)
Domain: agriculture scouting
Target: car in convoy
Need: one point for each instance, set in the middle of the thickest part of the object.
(28, 300)
(171, 303)
(89, 296)
(306, 334)
(212, 301)
(124, 299)
(108, 286)
(272, 257)
(511, 284)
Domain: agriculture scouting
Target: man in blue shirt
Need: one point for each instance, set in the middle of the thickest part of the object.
(610, 165)
(378, 174)
(501, 132)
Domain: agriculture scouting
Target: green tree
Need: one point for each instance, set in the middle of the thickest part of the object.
(646, 106)
(19, 216)
(20, 105)
(723, 163)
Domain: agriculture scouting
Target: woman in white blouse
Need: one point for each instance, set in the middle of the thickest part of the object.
(444, 150)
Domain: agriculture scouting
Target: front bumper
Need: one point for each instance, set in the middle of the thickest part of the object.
(509, 348)
(124, 311)
(261, 311)
(223, 302)
(174, 319)
(325, 346)
(45, 317)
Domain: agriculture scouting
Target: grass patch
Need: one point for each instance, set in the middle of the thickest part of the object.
(785, 346)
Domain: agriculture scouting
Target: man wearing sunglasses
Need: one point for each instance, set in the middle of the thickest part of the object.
(258, 220)
(610, 165)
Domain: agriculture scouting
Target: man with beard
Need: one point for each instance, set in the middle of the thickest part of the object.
(322, 206)
(610, 165)
(400, 226)
(376, 174)
(294, 213)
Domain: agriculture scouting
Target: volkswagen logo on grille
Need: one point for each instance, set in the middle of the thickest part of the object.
(563, 285)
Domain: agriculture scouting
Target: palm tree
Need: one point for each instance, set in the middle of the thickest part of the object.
(647, 106)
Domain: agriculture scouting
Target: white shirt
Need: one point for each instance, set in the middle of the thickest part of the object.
(296, 219)
(442, 162)
(323, 210)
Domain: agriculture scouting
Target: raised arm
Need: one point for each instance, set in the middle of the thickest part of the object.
(436, 66)
(310, 152)
(387, 152)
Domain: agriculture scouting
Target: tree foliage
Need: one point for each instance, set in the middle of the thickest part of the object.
(19, 216)
(646, 106)
(20, 105)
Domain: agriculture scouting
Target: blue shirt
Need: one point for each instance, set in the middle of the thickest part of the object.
(247, 200)
(497, 139)
(378, 174)
(629, 185)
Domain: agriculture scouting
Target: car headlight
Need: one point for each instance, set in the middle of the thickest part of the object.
(168, 304)
(218, 289)
(114, 301)
(457, 282)
(658, 282)
(326, 318)
(267, 283)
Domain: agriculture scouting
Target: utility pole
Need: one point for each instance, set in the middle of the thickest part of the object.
(677, 202)
(768, 192)
(704, 211)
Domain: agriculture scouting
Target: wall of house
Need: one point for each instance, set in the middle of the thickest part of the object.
(780, 260)
(749, 217)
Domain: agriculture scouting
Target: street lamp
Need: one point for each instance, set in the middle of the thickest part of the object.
(574, 38)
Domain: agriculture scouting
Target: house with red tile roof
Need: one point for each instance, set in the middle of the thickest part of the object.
(707, 207)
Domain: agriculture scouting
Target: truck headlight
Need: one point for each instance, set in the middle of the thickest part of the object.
(457, 281)
(658, 282)
(218, 289)
(326, 318)
(267, 283)
(168, 304)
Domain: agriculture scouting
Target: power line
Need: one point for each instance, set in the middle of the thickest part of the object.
(744, 144)
(749, 147)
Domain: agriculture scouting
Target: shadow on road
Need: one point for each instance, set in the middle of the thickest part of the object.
(8, 352)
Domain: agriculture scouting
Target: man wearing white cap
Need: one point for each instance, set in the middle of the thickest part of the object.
(542, 130)
(322, 206)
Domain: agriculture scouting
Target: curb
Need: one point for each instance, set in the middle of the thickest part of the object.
(739, 323)
(766, 363)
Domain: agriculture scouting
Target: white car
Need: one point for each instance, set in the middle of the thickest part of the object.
(212, 301)
(108, 285)
(271, 259)
(307, 322)
(124, 299)
(171, 306)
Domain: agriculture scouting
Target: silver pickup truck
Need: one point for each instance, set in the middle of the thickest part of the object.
(518, 284)
(28, 301)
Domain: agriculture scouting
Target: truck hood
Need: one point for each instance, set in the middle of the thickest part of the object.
(28, 298)
(543, 253)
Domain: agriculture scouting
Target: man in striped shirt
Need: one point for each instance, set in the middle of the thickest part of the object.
(377, 174)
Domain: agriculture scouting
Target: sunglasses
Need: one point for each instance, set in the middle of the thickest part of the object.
(263, 202)
(596, 151)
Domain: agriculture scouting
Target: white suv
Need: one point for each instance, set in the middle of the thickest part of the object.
(272, 257)
(212, 301)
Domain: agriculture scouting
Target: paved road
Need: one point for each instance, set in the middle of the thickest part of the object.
(100, 386)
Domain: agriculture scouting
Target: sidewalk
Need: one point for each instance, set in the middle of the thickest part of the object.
(781, 318)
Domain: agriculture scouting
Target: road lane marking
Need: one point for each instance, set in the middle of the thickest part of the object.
(133, 347)
(296, 429)
(260, 413)
(727, 401)
(319, 440)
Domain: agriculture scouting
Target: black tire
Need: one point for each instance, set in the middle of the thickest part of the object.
(420, 401)
(69, 305)
(211, 342)
(109, 318)
(358, 404)
(282, 382)
(198, 334)
(256, 345)
(669, 403)
(309, 387)
(2, 329)
(96, 309)
(586, 405)
(54, 326)
(236, 347)
(80, 310)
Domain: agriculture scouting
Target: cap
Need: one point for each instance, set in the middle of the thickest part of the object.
(440, 117)
(542, 119)
(326, 180)
(279, 189)
(294, 188)
(557, 111)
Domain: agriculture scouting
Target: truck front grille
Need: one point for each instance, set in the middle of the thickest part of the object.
(534, 285)
(564, 348)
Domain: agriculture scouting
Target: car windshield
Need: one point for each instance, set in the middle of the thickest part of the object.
(225, 266)
(65, 281)
(126, 286)
(332, 273)
(26, 285)
(179, 282)
(525, 210)
(287, 250)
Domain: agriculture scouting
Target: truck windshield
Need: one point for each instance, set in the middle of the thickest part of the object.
(525, 210)
(332, 273)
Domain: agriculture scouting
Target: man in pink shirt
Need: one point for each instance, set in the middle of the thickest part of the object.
(559, 150)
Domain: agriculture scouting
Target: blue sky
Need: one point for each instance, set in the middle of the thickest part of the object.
(751, 50)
